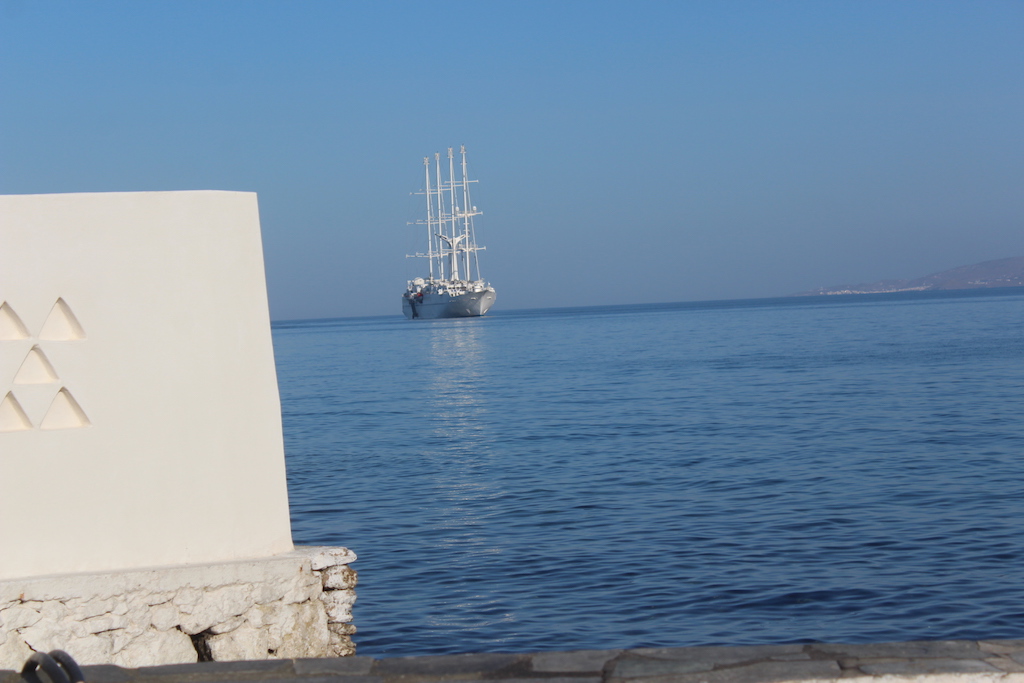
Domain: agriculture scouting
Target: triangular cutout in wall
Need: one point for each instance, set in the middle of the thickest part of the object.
(64, 413)
(61, 324)
(12, 417)
(11, 326)
(36, 369)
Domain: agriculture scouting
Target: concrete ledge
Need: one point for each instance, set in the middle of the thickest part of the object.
(990, 661)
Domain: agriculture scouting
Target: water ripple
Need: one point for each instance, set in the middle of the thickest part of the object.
(667, 475)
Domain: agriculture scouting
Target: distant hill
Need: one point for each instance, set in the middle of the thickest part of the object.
(1004, 272)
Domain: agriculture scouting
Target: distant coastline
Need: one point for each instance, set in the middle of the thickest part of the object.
(1007, 272)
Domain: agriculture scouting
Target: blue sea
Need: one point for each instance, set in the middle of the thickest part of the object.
(843, 469)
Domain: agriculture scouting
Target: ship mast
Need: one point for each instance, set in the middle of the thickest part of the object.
(450, 238)
(440, 212)
(468, 211)
(454, 241)
(430, 218)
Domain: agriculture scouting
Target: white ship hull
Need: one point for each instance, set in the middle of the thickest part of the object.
(432, 305)
(453, 287)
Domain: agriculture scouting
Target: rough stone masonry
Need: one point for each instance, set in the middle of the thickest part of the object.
(296, 604)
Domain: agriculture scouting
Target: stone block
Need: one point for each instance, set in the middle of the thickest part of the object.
(302, 632)
(84, 609)
(324, 557)
(218, 671)
(92, 649)
(344, 647)
(1001, 647)
(342, 629)
(933, 665)
(339, 605)
(262, 615)
(284, 619)
(266, 592)
(187, 597)
(1007, 664)
(645, 667)
(19, 616)
(305, 587)
(720, 656)
(14, 651)
(753, 672)
(159, 598)
(44, 636)
(122, 638)
(215, 606)
(86, 648)
(580, 661)
(227, 626)
(486, 665)
(795, 657)
(244, 642)
(53, 610)
(164, 616)
(156, 647)
(107, 673)
(346, 666)
(106, 622)
(339, 577)
(961, 649)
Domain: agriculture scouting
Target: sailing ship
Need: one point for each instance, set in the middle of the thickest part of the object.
(453, 287)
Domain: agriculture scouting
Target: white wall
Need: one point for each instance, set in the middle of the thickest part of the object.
(135, 341)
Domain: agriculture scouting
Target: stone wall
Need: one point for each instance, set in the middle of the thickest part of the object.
(297, 604)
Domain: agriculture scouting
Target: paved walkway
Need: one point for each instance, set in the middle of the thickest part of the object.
(934, 661)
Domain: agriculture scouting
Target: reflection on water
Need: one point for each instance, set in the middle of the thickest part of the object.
(456, 351)
(460, 436)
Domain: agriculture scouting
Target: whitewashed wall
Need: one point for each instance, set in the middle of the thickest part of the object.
(139, 413)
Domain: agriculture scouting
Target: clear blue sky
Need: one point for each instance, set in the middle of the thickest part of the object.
(627, 152)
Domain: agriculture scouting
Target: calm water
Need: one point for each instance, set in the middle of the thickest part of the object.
(835, 469)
